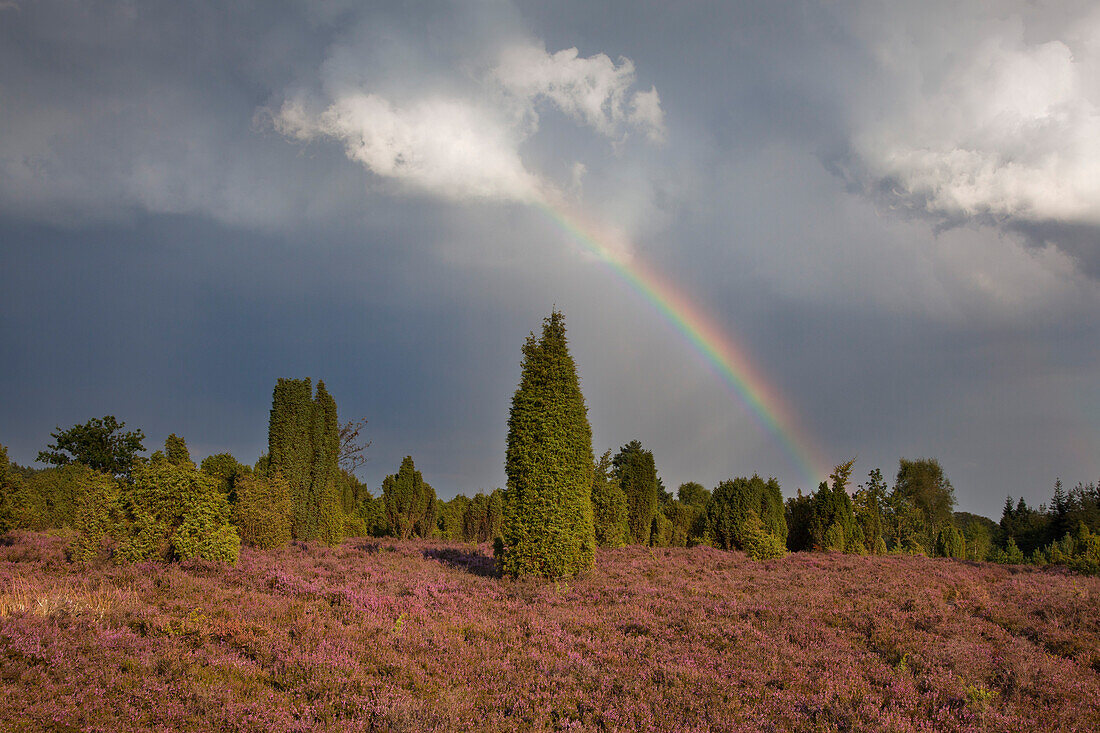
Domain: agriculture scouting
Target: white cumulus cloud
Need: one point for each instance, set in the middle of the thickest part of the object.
(466, 144)
(1001, 128)
(443, 146)
(594, 91)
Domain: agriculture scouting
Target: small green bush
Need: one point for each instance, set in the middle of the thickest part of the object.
(661, 532)
(733, 505)
(263, 512)
(758, 543)
(201, 536)
(95, 517)
(834, 538)
(951, 543)
(174, 512)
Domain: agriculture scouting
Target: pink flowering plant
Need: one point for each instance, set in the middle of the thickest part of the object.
(418, 635)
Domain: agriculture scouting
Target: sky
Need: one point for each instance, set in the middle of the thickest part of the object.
(783, 235)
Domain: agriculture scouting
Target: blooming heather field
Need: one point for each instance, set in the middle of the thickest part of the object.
(387, 635)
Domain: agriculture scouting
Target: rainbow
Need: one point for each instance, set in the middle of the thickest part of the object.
(728, 358)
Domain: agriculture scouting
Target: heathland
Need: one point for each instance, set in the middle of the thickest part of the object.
(420, 635)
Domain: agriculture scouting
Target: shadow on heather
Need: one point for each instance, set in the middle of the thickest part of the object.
(472, 561)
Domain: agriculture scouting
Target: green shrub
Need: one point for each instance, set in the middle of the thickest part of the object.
(758, 543)
(834, 538)
(174, 512)
(10, 483)
(200, 536)
(636, 474)
(95, 517)
(661, 534)
(686, 520)
(452, 516)
(609, 505)
(263, 511)
(739, 505)
(951, 543)
(226, 469)
(141, 534)
(547, 529)
(304, 447)
(410, 502)
(45, 499)
(1011, 554)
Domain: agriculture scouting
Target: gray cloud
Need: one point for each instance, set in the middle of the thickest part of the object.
(984, 116)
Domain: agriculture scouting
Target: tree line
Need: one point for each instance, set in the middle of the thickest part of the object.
(559, 504)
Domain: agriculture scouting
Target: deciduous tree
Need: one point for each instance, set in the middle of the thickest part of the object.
(100, 444)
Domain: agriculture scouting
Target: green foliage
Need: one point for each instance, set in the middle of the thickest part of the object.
(758, 543)
(1084, 554)
(693, 494)
(867, 506)
(547, 529)
(226, 470)
(95, 518)
(11, 486)
(47, 499)
(202, 535)
(951, 543)
(609, 505)
(978, 540)
(1011, 554)
(175, 450)
(772, 515)
(99, 444)
(1047, 533)
(263, 511)
(481, 523)
(834, 539)
(979, 697)
(304, 447)
(661, 534)
(978, 532)
(290, 444)
(799, 514)
(742, 509)
(172, 512)
(452, 515)
(689, 522)
(636, 473)
(1078, 550)
(410, 502)
(925, 498)
(325, 509)
(353, 492)
(1029, 527)
(832, 520)
(361, 515)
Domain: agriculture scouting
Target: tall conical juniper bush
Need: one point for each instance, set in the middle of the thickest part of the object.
(547, 525)
(303, 447)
